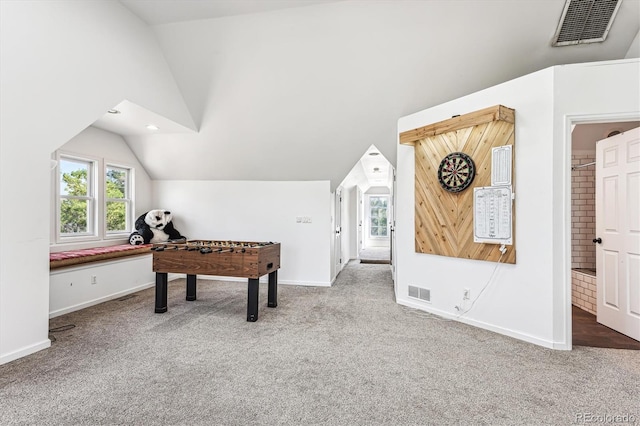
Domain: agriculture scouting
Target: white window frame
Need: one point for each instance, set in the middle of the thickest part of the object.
(92, 188)
(369, 217)
(129, 200)
(98, 215)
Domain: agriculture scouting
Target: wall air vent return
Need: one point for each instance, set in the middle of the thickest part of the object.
(420, 293)
(585, 21)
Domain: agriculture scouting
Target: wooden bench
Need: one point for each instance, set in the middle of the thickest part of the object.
(78, 257)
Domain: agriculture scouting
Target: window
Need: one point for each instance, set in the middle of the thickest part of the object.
(378, 216)
(92, 205)
(118, 199)
(76, 197)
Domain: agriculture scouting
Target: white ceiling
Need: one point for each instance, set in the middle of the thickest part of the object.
(129, 119)
(372, 170)
(309, 87)
(155, 12)
(585, 136)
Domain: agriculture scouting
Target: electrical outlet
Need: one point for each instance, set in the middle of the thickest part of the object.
(94, 279)
(466, 294)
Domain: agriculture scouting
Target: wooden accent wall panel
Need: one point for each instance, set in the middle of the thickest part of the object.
(444, 220)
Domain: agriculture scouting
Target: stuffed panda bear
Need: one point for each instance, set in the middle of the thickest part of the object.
(154, 226)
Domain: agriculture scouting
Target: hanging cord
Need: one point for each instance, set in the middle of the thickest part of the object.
(58, 330)
(62, 328)
(503, 250)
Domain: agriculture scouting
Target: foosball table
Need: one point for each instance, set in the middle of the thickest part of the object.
(242, 259)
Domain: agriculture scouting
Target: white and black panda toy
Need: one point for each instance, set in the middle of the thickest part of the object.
(154, 226)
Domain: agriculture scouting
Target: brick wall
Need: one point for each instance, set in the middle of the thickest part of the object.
(583, 214)
(583, 293)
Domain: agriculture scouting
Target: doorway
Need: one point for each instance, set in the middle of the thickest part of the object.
(366, 239)
(586, 331)
(376, 247)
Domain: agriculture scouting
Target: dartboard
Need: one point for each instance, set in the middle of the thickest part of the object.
(456, 172)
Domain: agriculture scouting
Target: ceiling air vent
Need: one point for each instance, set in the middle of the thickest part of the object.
(585, 21)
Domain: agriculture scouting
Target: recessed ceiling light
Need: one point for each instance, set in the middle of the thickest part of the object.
(152, 127)
(113, 111)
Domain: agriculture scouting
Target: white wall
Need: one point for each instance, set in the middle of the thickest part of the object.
(634, 49)
(62, 65)
(258, 211)
(71, 288)
(518, 301)
(528, 300)
(112, 148)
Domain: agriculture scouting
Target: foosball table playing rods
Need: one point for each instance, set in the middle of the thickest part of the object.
(206, 247)
(202, 250)
(212, 243)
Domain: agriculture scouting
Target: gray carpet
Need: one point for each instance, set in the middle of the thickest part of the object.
(381, 255)
(345, 355)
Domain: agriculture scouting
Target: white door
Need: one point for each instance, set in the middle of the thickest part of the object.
(360, 219)
(392, 229)
(338, 230)
(618, 232)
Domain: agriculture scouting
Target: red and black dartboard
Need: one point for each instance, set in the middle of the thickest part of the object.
(456, 172)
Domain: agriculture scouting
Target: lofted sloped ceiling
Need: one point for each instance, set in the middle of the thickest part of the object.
(155, 12)
(301, 93)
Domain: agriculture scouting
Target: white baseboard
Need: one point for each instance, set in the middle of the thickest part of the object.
(99, 300)
(27, 350)
(480, 324)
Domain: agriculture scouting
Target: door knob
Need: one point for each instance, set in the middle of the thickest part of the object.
(597, 240)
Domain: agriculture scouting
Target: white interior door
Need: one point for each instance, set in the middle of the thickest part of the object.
(338, 230)
(360, 220)
(392, 229)
(618, 232)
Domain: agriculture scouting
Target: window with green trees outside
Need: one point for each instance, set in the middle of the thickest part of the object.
(77, 201)
(378, 207)
(80, 204)
(118, 200)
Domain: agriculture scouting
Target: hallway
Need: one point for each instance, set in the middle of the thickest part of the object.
(375, 255)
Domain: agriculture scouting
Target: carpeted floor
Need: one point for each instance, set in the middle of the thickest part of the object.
(344, 355)
(381, 255)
